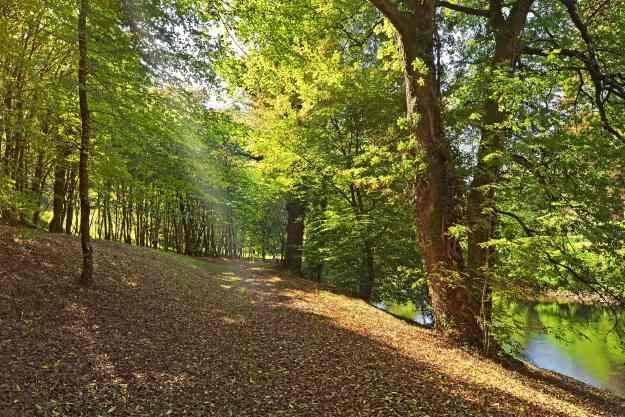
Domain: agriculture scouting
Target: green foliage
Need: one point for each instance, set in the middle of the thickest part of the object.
(319, 117)
(324, 118)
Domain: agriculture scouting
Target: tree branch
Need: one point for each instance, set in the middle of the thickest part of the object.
(600, 81)
(571, 7)
(463, 9)
(571, 53)
(518, 14)
(236, 151)
(392, 13)
(592, 284)
(495, 13)
(529, 232)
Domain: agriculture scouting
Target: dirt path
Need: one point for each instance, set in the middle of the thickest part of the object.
(167, 335)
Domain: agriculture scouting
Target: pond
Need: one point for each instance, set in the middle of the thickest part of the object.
(576, 340)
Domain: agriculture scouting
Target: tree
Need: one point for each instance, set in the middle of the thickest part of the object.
(86, 276)
(460, 280)
(294, 236)
(456, 294)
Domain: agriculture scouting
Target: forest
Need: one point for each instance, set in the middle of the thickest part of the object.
(457, 164)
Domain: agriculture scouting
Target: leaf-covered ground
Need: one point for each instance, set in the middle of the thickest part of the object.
(167, 335)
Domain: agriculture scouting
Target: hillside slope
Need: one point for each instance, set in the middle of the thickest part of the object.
(162, 334)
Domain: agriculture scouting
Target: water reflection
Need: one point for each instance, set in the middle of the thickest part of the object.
(420, 315)
(573, 339)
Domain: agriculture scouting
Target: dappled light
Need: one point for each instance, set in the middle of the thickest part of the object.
(309, 208)
(200, 348)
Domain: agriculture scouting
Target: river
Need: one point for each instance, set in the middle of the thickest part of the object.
(576, 340)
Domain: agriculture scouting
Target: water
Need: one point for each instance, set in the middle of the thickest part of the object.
(576, 340)
(408, 311)
(573, 339)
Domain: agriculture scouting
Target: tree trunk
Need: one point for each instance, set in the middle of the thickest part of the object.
(481, 209)
(37, 186)
(456, 298)
(294, 236)
(367, 282)
(86, 276)
(58, 201)
(70, 201)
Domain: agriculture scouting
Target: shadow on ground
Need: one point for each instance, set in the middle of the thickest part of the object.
(165, 335)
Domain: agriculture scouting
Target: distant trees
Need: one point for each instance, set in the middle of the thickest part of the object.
(294, 236)
(163, 170)
(325, 120)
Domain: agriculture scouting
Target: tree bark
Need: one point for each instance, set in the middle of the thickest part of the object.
(294, 236)
(58, 201)
(86, 276)
(70, 183)
(481, 214)
(456, 297)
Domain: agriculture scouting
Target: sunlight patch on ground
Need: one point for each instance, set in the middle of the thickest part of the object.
(180, 338)
(229, 277)
(131, 280)
(232, 321)
(167, 378)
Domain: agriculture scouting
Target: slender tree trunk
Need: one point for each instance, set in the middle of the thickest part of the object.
(108, 219)
(58, 200)
(37, 186)
(294, 236)
(86, 276)
(70, 201)
(19, 145)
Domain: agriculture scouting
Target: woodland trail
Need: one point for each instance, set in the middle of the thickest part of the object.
(161, 334)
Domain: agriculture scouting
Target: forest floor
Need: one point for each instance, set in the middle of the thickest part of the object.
(161, 334)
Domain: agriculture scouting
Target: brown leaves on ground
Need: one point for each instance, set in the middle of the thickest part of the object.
(161, 334)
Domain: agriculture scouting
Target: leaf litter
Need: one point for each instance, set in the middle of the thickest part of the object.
(165, 335)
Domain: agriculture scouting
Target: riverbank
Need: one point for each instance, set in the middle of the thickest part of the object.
(563, 297)
(161, 334)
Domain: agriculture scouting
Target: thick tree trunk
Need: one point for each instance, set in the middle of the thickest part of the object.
(294, 236)
(456, 297)
(481, 209)
(86, 276)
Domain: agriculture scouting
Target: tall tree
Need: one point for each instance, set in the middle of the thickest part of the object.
(481, 205)
(456, 295)
(86, 276)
